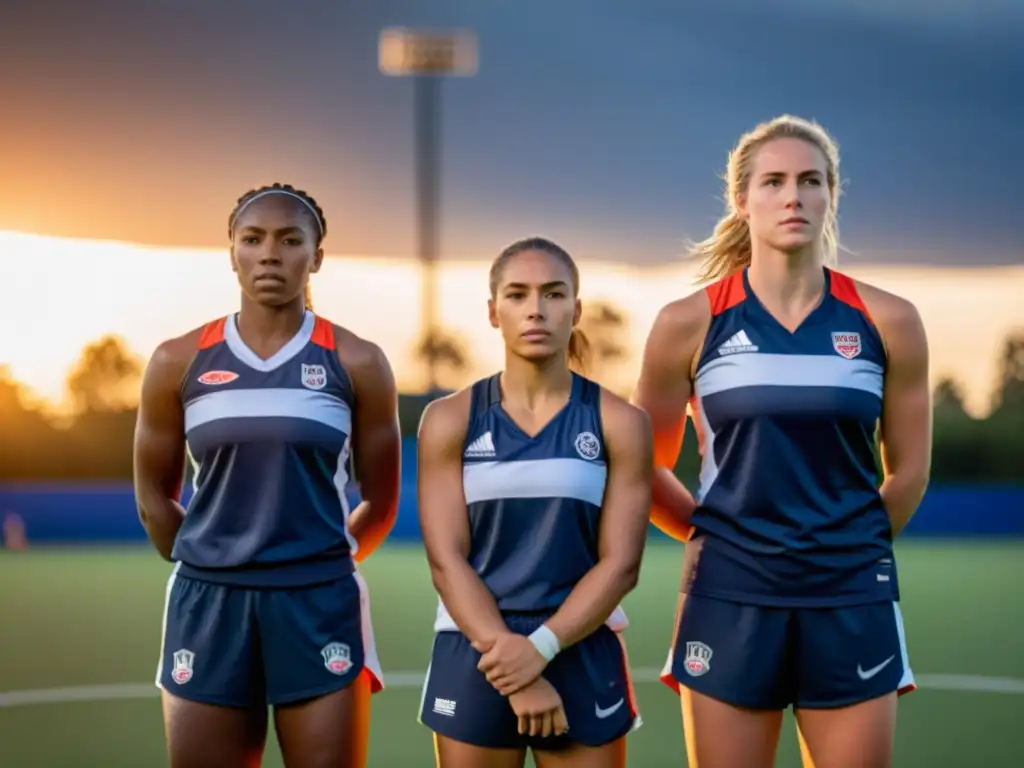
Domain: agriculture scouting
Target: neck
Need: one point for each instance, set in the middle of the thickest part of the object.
(528, 383)
(260, 322)
(786, 278)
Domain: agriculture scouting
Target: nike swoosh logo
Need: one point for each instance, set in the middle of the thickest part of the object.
(867, 674)
(603, 713)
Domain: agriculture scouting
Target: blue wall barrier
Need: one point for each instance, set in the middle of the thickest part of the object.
(96, 513)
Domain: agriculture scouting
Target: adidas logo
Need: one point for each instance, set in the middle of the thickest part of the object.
(481, 447)
(738, 342)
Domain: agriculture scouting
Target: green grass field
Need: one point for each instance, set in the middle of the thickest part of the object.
(80, 617)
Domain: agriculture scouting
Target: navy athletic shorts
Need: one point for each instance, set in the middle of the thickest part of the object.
(592, 677)
(760, 657)
(239, 647)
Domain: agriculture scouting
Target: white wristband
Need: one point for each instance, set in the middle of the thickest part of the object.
(545, 641)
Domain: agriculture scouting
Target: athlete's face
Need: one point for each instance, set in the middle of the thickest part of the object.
(535, 306)
(274, 249)
(787, 198)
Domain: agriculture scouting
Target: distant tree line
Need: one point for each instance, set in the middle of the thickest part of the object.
(94, 440)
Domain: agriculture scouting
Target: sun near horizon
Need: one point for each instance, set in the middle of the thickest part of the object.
(65, 293)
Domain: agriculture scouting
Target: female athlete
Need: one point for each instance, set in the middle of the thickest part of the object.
(790, 590)
(534, 491)
(265, 604)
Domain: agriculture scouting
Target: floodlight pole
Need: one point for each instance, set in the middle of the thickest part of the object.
(427, 95)
(428, 56)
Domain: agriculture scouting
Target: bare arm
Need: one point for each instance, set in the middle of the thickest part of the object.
(444, 520)
(906, 428)
(663, 391)
(159, 446)
(624, 519)
(376, 443)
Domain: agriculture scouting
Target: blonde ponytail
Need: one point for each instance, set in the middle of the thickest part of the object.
(727, 250)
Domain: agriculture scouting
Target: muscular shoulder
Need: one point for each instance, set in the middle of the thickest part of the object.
(896, 318)
(359, 355)
(444, 422)
(172, 357)
(677, 336)
(621, 419)
(685, 316)
(447, 414)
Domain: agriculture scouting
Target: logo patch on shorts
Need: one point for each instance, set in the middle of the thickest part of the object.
(444, 707)
(337, 658)
(183, 661)
(698, 659)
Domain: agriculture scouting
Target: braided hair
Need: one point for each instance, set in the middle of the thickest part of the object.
(310, 206)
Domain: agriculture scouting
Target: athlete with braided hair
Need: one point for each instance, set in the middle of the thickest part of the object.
(273, 405)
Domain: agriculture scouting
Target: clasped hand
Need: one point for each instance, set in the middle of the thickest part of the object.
(510, 662)
(513, 666)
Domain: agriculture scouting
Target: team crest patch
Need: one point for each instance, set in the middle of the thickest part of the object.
(846, 344)
(337, 658)
(314, 376)
(588, 446)
(698, 659)
(182, 671)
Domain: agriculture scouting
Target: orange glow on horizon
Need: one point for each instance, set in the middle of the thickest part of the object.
(64, 293)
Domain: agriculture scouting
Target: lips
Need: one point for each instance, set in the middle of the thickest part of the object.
(536, 335)
(794, 220)
(269, 278)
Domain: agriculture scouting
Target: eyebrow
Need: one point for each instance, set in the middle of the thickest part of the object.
(552, 284)
(278, 232)
(801, 175)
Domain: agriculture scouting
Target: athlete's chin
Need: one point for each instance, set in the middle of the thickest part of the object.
(536, 352)
(793, 242)
(272, 297)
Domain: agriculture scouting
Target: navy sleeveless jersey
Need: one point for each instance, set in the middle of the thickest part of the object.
(788, 505)
(269, 445)
(534, 503)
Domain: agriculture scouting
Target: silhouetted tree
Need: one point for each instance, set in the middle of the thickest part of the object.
(30, 446)
(1010, 392)
(948, 397)
(106, 378)
(604, 326)
(447, 354)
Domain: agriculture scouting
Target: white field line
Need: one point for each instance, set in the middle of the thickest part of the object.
(414, 679)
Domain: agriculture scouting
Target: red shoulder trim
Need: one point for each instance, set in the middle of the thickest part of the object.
(726, 293)
(845, 290)
(323, 333)
(213, 333)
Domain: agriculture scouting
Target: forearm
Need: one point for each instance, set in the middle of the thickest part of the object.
(672, 505)
(369, 528)
(161, 517)
(674, 523)
(901, 494)
(592, 601)
(470, 603)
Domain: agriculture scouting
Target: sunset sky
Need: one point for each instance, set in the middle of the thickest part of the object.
(604, 125)
(71, 292)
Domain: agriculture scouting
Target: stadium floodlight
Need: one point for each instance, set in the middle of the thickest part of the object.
(427, 56)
